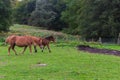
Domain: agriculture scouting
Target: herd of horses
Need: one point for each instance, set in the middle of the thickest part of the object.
(27, 41)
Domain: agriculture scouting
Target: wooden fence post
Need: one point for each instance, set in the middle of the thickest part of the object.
(100, 40)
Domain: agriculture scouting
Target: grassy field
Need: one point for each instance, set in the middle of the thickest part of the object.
(65, 62)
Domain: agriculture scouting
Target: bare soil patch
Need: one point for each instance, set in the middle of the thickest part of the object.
(38, 64)
(2, 76)
(98, 51)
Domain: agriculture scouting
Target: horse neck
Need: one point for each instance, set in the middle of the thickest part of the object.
(48, 38)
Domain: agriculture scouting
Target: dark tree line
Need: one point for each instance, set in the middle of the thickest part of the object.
(93, 18)
(41, 13)
(88, 18)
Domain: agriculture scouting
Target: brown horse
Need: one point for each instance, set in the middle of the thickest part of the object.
(21, 41)
(36, 42)
(46, 41)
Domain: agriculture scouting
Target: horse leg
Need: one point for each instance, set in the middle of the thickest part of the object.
(30, 49)
(43, 48)
(9, 49)
(14, 49)
(48, 48)
(24, 49)
(35, 48)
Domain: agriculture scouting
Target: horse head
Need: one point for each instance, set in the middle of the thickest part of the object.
(50, 38)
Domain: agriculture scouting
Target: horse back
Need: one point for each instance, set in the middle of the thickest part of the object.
(45, 42)
(23, 41)
(36, 40)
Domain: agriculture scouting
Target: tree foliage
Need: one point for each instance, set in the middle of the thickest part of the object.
(41, 13)
(93, 18)
(14, 3)
(23, 11)
(47, 14)
(5, 15)
(71, 15)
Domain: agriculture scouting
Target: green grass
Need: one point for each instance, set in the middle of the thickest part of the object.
(30, 30)
(64, 63)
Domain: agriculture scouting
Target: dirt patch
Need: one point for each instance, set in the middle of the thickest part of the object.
(98, 51)
(3, 63)
(39, 64)
(2, 76)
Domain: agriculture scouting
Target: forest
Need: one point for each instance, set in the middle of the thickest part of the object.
(90, 19)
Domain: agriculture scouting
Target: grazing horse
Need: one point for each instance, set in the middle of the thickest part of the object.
(21, 41)
(46, 41)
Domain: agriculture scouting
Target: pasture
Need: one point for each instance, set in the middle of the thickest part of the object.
(65, 62)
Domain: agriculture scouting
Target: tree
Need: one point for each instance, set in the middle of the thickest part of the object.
(101, 18)
(71, 15)
(58, 7)
(93, 18)
(14, 3)
(47, 14)
(5, 15)
(43, 14)
(23, 11)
